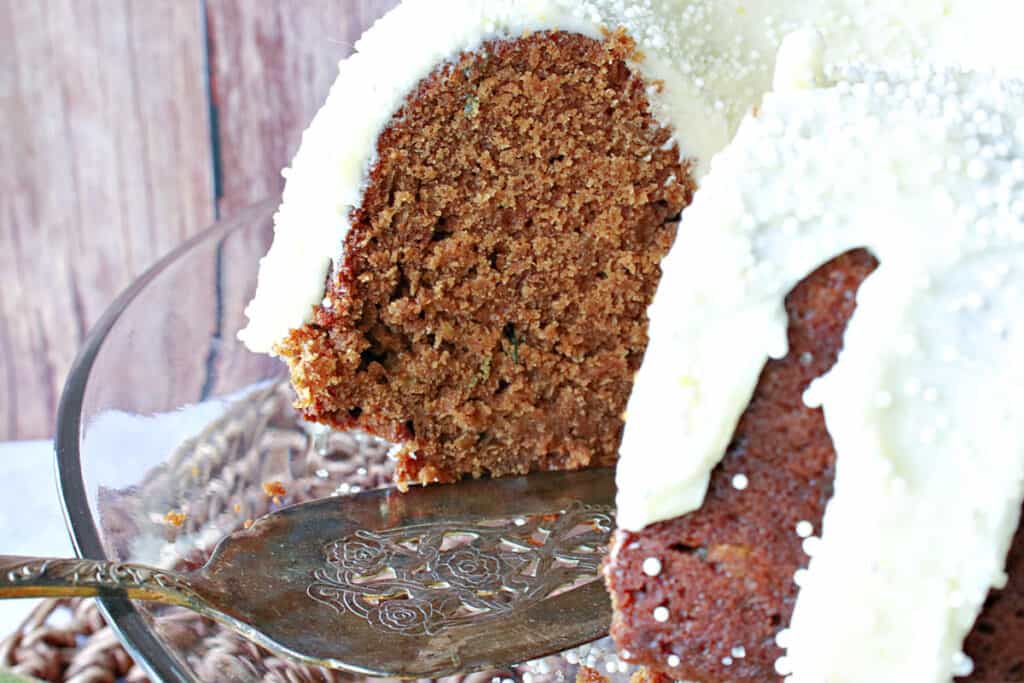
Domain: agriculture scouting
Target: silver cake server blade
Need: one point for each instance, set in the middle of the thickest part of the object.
(432, 582)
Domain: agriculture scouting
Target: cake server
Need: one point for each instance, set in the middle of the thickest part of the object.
(432, 582)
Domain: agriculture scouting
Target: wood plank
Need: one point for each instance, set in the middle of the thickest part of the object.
(272, 63)
(108, 169)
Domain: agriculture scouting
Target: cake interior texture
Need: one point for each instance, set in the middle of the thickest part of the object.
(726, 571)
(488, 312)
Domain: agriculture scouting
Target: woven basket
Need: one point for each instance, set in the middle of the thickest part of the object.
(68, 640)
(216, 477)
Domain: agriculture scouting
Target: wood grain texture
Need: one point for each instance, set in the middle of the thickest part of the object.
(272, 63)
(106, 158)
(112, 157)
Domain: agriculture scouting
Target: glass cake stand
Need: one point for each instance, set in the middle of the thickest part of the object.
(165, 411)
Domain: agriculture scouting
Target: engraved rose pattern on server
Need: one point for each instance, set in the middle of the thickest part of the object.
(423, 579)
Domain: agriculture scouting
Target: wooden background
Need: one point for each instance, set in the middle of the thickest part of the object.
(125, 127)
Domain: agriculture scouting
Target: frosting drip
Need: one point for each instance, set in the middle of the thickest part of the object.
(926, 169)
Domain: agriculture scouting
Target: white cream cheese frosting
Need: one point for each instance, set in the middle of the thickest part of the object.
(925, 168)
(713, 57)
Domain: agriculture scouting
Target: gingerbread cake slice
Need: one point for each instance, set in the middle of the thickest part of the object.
(488, 313)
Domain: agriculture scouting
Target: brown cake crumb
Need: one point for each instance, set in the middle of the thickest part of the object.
(588, 674)
(724, 574)
(175, 518)
(490, 311)
(274, 489)
(996, 644)
(645, 675)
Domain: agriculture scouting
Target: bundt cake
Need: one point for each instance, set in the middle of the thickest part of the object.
(473, 229)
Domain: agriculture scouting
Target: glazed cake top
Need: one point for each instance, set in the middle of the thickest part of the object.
(713, 60)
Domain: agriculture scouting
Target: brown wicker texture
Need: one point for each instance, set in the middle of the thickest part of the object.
(217, 478)
(68, 641)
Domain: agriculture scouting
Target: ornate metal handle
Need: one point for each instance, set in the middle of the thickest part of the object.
(41, 577)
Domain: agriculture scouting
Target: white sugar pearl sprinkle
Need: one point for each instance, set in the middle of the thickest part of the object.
(810, 545)
(652, 566)
(661, 614)
(673, 660)
(962, 665)
(782, 638)
(804, 528)
(740, 482)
